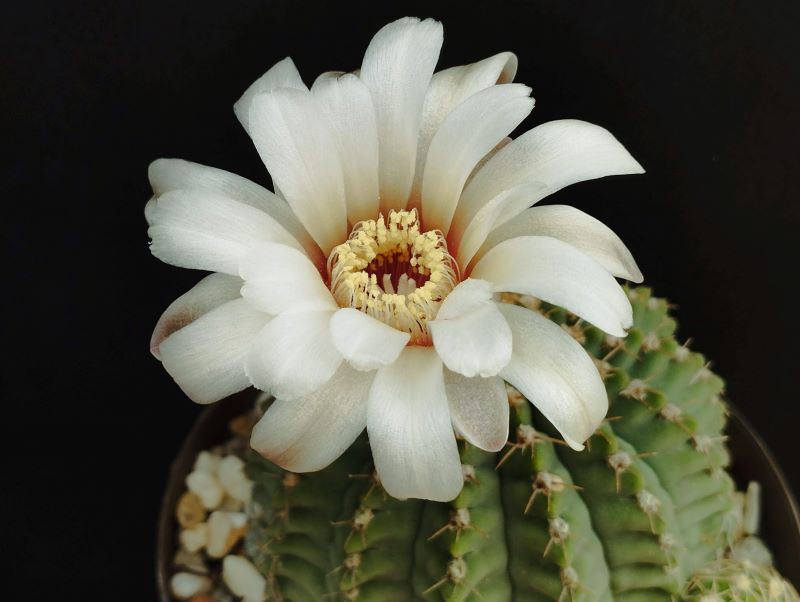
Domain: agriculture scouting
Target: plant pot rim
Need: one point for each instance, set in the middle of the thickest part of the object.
(752, 461)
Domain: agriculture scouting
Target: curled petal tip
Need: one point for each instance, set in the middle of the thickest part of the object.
(574, 444)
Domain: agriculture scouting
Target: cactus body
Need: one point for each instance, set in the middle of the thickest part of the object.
(634, 517)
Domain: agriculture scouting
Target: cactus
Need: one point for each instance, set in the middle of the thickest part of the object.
(646, 513)
(739, 580)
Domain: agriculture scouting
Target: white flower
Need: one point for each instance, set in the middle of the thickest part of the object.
(362, 293)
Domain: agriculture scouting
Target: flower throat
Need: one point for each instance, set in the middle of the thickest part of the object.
(393, 272)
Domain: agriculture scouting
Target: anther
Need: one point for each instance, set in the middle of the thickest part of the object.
(394, 273)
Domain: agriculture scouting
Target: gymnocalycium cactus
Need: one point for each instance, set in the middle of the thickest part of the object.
(647, 512)
(362, 294)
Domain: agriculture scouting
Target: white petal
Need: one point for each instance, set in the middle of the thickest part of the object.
(397, 69)
(348, 106)
(469, 334)
(212, 291)
(449, 88)
(479, 409)
(176, 174)
(467, 242)
(307, 434)
(408, 422)
(558, 273)
(365, 342)
(470, 131)
(149, 210)
(206, 358)
(468, 296)
(326, 75)
(557, 154)
(294, 354)
(292, 136)
(582, 231)
(556, 374)
(206, 231)
(282, 74)
(278, 278)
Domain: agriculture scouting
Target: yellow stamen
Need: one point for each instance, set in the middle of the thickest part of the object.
(393, 272)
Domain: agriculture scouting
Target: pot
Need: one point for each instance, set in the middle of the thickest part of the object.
(752, 461)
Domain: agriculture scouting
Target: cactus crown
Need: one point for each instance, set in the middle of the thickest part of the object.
(646, 512)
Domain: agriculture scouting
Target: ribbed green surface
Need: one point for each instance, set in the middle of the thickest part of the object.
(631, 518)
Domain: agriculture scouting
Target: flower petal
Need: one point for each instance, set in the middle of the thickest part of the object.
(449, 88)
(469, 334)
(558, 273)
(556, 374)
(479, 409)
(293, 355)
(557, 154)
(206, 358)
(467, 243)
(365, 342)
(282, 74)
(327, 75)
(307, 434)
(292, 136)
(397, 69)
(467, 134)
(408, 422)
(212, 291)
(574, 227)
(203, 230)
(278, 278)
(348, 106)
(176, 174)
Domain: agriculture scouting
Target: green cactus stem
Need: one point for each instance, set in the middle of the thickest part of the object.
(646, 513)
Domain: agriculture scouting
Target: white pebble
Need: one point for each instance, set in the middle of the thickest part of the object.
(222, 527)
(206, 487)
(186, 585)
(207, 462)
(243, 579)
(231, 475)
(194, 539)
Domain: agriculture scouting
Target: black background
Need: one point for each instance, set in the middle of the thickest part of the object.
(704, 94)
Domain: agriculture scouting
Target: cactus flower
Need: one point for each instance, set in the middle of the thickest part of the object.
(364, 292)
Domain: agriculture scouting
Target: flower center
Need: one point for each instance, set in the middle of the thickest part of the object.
(393, 272)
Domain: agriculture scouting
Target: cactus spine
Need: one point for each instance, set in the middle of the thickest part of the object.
(645, 513)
